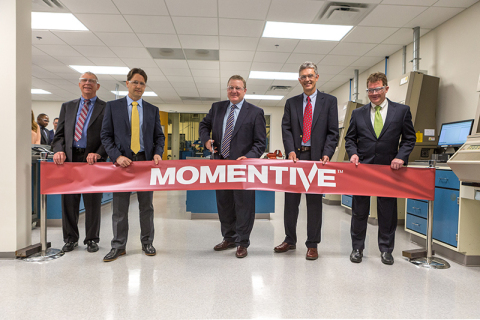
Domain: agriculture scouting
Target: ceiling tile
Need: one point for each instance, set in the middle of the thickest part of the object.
(59, 50)
(313, 46)
(88, 6)
(120, 39)
(253, 9)
(238, 43)
(367, 61)
(403, 36)
(171, 64)
(115, 62)
(195, 8)
(160, 85)
(180, 80)
(199, 42)
(204, 65)
(62, 69)
(352, 49)
(147, 7)
(369, 34)
(45, 61)
(207, 81)
(95, 51)
(150, 24)
(278, 57)
(104, 22)
(79, 38)
(194, 25)
(41, 73)
(206, 86)
(241, 28)
(140, 63)
(290, 67)
(455, 3)
(337, 60)
(349, 71)
(155, 40)
(46, 38)
(267, 66)
(299, 58)
(187, 92)
(76, 61)
(129, 52)
(391, 16)
(37, 52)
(433, 17)
(277, 45)
(425, 3)
(177, 72)
(383, 50)
(234, 65)
(228, 72)
(236, 55)
(259, 82)
(294, 10)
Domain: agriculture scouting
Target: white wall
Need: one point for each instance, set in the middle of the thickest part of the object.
(450, 52)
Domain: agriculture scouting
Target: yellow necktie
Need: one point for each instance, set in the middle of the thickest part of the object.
(378, 122)
(135, 143)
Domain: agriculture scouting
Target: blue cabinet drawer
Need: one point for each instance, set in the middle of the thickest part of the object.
(445, 216)
(417, 207)
(347, 200)
(446, 179)
(416, 224)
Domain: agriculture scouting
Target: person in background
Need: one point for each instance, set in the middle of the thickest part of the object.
(52, 132)
(43, 121)
(35, 131)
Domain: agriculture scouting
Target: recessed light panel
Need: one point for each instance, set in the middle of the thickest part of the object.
(56, 21)
(40, 91)
(145, 94)
(304, 31)
(101, 70)
(273, 75)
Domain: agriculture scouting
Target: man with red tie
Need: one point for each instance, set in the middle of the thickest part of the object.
(77, 139)
(310, 132)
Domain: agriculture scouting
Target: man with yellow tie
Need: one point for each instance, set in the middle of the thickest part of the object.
(373, 137)
(132, 131)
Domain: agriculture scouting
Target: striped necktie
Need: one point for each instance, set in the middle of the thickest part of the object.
(227, 136)
(81, 120)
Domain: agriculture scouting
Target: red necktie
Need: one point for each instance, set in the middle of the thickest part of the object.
(307, 121)
(81, 120)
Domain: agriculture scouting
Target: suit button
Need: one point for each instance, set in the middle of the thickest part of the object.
(298, 149)
(300, 136)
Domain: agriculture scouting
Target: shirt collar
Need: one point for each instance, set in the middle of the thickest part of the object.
(312, 96)
(382, 105)
(92, 101)
(130, 100)
(239, 105)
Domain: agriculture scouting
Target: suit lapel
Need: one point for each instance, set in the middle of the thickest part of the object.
(96, 112)
(71, 118)
(124, 106)
(368, 119)
(299, 107)
(318, 106)
(221, 116)
(241, 116)
(390, 116)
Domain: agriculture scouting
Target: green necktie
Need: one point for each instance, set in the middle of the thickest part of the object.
(378, 122)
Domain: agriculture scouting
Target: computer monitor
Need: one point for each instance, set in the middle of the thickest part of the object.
(454, 134)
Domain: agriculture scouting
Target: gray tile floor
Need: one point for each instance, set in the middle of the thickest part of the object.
(187, 279)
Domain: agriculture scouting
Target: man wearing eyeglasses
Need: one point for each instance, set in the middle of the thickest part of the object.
(310, 132)
(373, 137)
(77, 139)
(132, 132)
(238, 132)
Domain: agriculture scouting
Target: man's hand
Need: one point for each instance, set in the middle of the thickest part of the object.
(209, 146)
(156, 158)
(292, 156)
(123, 161)
(325, 159)
(59, 157)
(241, 158)
(355, 159)
(396, 164)
(92, 158)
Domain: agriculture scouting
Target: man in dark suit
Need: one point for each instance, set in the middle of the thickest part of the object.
(132, 132)
(51, 133)
(310, 132)
(373, 137)
(78, 140)
(43, 120)
(238, 132)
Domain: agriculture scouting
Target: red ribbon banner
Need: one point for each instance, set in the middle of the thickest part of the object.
(249, 174)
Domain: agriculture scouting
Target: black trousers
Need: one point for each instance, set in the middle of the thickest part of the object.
(314, 214)
(121, 203)
(387, 222)
(71, 209)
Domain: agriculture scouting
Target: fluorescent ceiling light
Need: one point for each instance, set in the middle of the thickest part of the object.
(262, 97)
(56, 21)
(273, 75)
(145, 94)
(101, 70)
(40, 91)
(289, 30)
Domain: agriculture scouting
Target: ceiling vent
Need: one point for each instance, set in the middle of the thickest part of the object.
(48, 5)
(343, 13)
(280, 88)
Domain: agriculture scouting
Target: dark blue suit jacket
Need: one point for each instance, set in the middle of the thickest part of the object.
(116, 130)
(362, 141)
(51, 135)
(324, 131)
(249, 134)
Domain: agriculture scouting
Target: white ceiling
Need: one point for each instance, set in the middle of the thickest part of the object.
(121, 30)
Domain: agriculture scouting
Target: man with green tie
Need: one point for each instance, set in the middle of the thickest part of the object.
(373, 137)
(132, 131)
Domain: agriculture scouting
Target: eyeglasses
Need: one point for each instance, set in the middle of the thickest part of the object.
(230, 88)
(375, 90)
(85, 80)
(309, 76)
(136, 83)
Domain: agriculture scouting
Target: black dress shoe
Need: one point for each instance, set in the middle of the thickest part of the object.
(356, 255)
(149, 249)
(69, 246)
(92, 246)
(114, 254)
(387, 258)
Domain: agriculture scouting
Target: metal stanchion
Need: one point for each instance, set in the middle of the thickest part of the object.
(430, 261)
(47, 253)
